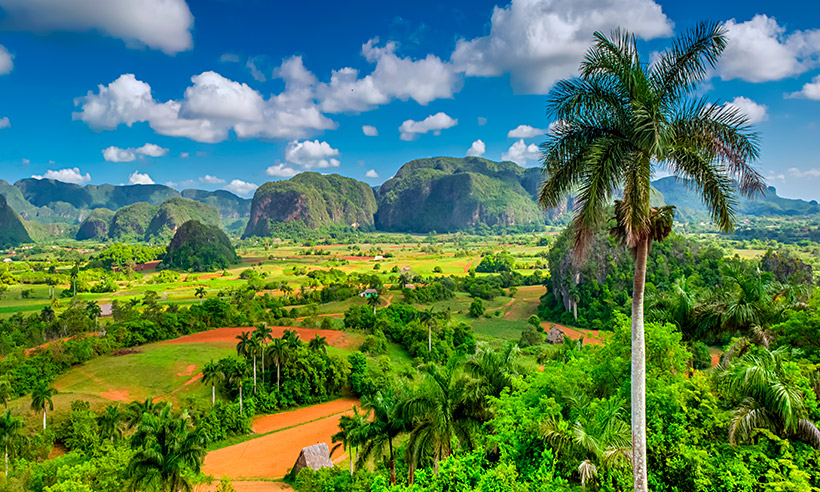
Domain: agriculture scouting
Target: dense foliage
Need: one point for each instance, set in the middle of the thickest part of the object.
(199, 247)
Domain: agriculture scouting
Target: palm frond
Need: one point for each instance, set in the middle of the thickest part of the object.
(679, 69)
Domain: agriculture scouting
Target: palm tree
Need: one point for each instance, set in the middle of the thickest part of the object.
(248, 347)
(165, 449)
(10, 428)
(5, 391)
(292, 339)
(351, 428)
(263, 333)
(110, 422)
(75, 273)
(491, 371)
(618, 121)
(254, 348)
(277, 353)
(428, 317)
(136, 409)
(200, 292)
(374, 301)
(212, 374)
(234, 373)
(602, 436)
(440, 412)
(41, 398)
(770, 398)
(318, 344)
(380, 431)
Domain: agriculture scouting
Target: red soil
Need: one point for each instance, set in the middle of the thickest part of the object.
(189, 371)
(272, 455)
(590, 336)
(144, 267)
(248, 486)
(31, 350)
(194, 379)
(358, 258)
(118, 395)
(334, 338)
(282, 420)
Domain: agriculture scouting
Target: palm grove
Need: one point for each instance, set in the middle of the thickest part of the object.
(643, 410)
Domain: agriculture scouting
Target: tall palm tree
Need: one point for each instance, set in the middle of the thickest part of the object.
(10, 428)
(374, 301)
(165, 449)
(620, 120)
(111, 422)
(254, 349)
(201, 293)
(263, 333)
(318, 344)
(382, 429)
(440, 412)
(292, 339)
(277, 353)
(428, 318)
(351, 430)
(235, 373)
(5, 391)
(41, 399)
(136, 409)
(211, 373)
(492, 371)
(248, 347)
(770, 398)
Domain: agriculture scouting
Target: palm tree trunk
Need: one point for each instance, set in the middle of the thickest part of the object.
(639, 472)
(277, 376)
(254, 373)
(392, 462)
(44, 419)
(240, 399)
(352, 457)
(429, 338)
(213, 394)
(7, 461)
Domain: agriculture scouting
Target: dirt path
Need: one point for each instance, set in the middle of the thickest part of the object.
(271, 455)
(501, 307)
(281, 420)
(334, 338)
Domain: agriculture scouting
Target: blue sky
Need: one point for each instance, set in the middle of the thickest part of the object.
(230, 94)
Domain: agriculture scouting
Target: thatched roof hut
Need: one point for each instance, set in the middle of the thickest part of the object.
(315, 457)
(555, 336)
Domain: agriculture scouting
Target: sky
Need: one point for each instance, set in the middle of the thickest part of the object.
(229, 94)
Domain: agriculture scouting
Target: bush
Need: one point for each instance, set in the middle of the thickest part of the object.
(476, 308)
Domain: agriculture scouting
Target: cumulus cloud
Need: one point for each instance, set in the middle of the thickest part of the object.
(160, 24)
(138, 178)
(754, 112)
(281, 171)
(371, 174)
(186, 183)
(477, 148)
(229, 58)
(211, 179)
(520, 153)
(211, 107)
(539, 42)
(69, 175)
(5, 122)
(759, 50)
(410, 129)
(482, 121)
(524, 131)
(804, 173)
(116, 154)
(241, 187)
(810, 90)
(393, 77)
(311, 154)
(6, 61)
(370, 131)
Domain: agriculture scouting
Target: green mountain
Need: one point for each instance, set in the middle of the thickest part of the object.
(226, 203)
(199, 247)
(131, 222)
(45, 192)
(96, 225)
(312, 198)
(12, 230)
(690, 206)
(449, 194)
(176, 211)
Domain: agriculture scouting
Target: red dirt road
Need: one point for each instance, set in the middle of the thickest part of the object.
(272, 455)
(334, 338)
(281, 420)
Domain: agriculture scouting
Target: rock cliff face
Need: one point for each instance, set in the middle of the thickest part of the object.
(312, 198)
(96, 225)
(12, 230)
(449, 194)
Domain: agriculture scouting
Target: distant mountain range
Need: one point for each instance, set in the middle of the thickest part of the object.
(441, 194)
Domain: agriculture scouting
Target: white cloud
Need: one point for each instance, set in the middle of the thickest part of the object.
(5, 122)
(71, 175)
(525, 131)
(229, 58)
(26, 161)
(371, 174)
(422, 80)
(211, 107)
(6, 61)
(811, 90)
(151, 150)
(311, 154)
(187, 183)
(160, 24)
(477, 148)
(759, 50)
(241, 187)
(520, 153)
(137, 178)
(211, 179)
(370, 131)
(804, 173)
(539, 42)
(184, 155)
(435, 123)
(116, 154)
(281, 171)
(754, 112)
(482, 121)
(255, 72)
